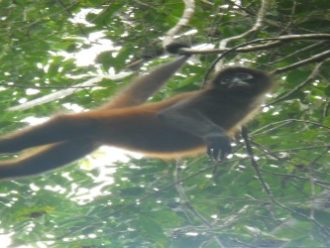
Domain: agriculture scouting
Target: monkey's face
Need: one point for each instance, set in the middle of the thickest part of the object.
(240, 79)
(237, 79)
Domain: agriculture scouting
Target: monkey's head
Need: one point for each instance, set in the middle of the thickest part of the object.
(242, 80)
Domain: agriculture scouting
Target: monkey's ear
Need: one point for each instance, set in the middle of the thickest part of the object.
(176, 48)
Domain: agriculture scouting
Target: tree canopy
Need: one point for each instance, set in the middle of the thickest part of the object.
(274, 191)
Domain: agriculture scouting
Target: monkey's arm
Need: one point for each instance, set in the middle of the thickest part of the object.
(145, 86)
(192, 120)
(67, 127)
(66, 138)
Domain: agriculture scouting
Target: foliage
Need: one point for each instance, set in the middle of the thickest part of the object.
(188, 203)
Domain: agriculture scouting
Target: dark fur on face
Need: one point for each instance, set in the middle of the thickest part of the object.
(242, 79)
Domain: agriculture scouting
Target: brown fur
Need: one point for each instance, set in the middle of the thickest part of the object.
(66, 138)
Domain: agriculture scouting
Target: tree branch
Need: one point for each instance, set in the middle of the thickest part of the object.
(186, 202)
(310, 77)
(318, 57)
(269, 43)
(324, 229)
(260, 17)
(184, 20)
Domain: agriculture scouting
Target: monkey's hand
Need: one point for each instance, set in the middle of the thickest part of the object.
(218, 146)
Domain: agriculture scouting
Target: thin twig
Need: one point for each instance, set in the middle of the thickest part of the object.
(321, 183)
(275, 125)
(59, 94)
(326, 109)
(260, 17)
(298, 51)
(303, 148)
(317, 57)
(269, 43)
(290, 21)
(298, 87)
(183, 196)
(281, 38)
(324, 229)
(249, 150)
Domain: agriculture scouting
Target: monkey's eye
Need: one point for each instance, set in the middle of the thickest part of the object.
(225, 80)
(244, 76)
(237, 81)
(241, 76)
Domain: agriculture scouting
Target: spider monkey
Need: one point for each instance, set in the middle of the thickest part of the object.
(184, 125)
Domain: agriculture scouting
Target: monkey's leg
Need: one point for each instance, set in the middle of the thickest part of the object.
(145, 86)
(58, 129)
(47, 158)
(189, 119)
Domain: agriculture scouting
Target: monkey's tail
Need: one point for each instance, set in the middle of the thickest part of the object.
(47, 158)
